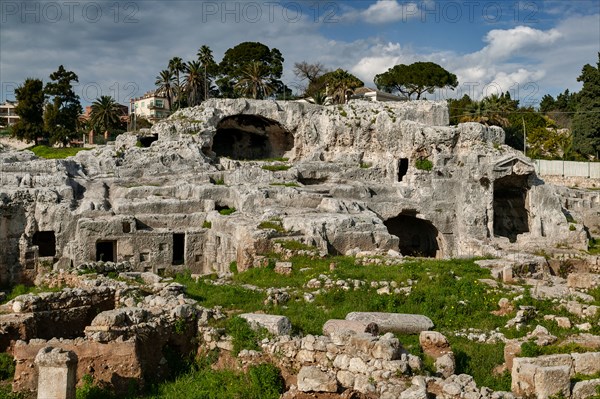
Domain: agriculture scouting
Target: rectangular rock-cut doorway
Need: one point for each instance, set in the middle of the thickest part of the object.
(106, 251)
(511, 214)
(178, 249)
(46, 243)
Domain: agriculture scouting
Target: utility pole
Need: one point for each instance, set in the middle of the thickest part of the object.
(524, 137)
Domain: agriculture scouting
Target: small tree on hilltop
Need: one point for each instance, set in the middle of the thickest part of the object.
(30, 108)
(417, 78)
(62, 113)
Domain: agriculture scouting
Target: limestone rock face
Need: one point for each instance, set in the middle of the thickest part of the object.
(312, 379)
(219, 183)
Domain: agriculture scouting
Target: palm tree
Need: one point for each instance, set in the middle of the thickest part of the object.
(193, 82)
(176, 66)
(105, 113)
(340, 83)
(164, 81)
(206, 60)
(256, 81)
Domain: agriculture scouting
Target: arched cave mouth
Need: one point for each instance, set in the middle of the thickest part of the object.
(418, 237)
(245, 137)
(511, 214)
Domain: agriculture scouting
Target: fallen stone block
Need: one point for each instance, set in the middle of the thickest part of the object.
(394, 322)
(278, 325)
(585, 389)
(334, 326)
(586, 363)
(313, 379)
(551, 381)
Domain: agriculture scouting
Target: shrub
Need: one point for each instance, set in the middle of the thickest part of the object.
(7, 366)
(572, 227)
(423, 164)
(233, 267)
(206, 224)
(365, 165)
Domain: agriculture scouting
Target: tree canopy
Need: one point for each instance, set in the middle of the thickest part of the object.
(236, 62)
(586, 122)
(417, 78)
(30, 106)
(62, 113)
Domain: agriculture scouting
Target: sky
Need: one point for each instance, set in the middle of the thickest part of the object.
(117, 48)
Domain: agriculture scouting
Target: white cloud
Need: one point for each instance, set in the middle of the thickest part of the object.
(385, 11)
(511, 42)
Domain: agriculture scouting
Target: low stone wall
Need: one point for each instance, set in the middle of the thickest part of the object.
(545, 376)
(117, 363)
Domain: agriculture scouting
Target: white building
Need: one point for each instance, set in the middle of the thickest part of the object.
(369, 94)
(8, 116)
(150, 106)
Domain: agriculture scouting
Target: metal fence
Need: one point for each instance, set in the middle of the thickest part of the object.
(567, 168)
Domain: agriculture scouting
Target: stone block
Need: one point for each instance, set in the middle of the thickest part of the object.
(585, 389)
(394, 322)
(278, 325)
(553, 380)
(586, 363)
(313, 379)
(334, 326)
(284, 268)
(57, 373)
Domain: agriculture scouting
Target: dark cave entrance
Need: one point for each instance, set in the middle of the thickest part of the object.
(146, 141)
(418, 237)
(402, 168)
(106, 251)
(251, 137)
(46, 242)
(178, 249)
(511, 216)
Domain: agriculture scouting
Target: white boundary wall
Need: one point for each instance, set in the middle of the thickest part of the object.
(567, 168)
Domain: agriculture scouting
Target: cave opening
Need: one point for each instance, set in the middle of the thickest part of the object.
(511, 216)
(106, 251)
(246, 137)
(146, 141)
(402, 168)
(46, 242)
(178, 249)
(417, 237)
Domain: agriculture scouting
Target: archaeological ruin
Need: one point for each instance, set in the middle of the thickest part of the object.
(228, 181)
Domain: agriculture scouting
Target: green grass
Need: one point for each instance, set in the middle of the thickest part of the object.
(423, 164)
(479, 360)
(272, 225)
(43, 151)
(594, 246)
(291, 184)
(276, 168)
(206, 224)
(21, 289)
(227, 211)
(365, 165)
(260, 381)
(294, 245)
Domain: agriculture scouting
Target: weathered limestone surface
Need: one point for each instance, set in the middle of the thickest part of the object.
(550, 375)
(394, 322)
(278, 325)
(157, 207)
(56, 376)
